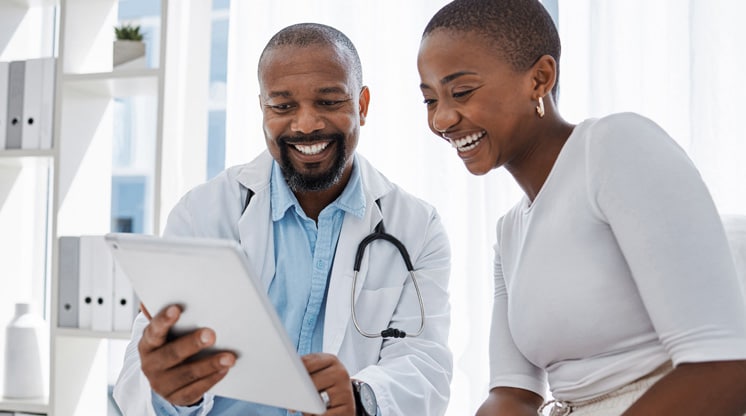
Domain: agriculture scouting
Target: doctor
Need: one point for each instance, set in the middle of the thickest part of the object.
(299, 211)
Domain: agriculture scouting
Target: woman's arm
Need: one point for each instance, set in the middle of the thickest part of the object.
(711, 388)
(508, 401)
(670, 233)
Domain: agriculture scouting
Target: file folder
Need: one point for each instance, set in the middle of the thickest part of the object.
(32, 82)
(85, 282)
(14, 130)
(69, 271)
(46, 116)
(125, 304)
(102, 285)
(4, 69)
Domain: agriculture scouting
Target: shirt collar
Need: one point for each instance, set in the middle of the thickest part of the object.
(351, 200)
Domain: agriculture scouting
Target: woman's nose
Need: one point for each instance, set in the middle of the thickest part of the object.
(444, 118)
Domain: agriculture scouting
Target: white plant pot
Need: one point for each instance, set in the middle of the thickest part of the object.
(129, 53)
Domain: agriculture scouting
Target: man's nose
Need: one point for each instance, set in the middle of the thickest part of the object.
(306, 121)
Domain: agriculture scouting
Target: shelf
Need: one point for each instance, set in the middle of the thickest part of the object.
(123, 83)
(30, 405)
(30, 3)
(12, 157)
(86, 333)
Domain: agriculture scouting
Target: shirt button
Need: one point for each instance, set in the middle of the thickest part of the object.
(320, 264)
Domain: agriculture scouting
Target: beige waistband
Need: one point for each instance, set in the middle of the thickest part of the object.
(637, 387)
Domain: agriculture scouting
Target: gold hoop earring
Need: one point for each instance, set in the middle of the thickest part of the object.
(540, 107)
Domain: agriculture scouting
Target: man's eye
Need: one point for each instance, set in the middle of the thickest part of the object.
(279, 107)
(330, 103)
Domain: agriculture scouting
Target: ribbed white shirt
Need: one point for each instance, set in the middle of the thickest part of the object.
(619, 264)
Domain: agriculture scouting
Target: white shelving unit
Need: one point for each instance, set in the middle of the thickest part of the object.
(27, 31)
(67, 190)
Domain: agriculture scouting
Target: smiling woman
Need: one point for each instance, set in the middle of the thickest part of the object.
(616, 223)
(608, 68)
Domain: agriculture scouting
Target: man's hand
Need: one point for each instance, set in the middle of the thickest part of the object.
(164, 362)
(329, 375)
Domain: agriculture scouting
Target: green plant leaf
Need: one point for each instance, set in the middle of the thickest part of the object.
(128, 32)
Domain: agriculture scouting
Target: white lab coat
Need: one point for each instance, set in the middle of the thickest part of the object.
(410, 376)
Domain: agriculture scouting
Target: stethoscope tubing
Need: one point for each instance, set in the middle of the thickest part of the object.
(389, 332)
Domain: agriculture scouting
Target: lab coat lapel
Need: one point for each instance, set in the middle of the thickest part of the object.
(338, 309)
(255, 225)
(354, 230)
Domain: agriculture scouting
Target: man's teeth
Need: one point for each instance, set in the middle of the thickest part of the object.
(467, 143)
(311, 149)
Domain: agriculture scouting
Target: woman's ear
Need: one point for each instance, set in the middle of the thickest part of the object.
(544, 75)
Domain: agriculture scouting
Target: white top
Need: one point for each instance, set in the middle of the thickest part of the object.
(620, 264)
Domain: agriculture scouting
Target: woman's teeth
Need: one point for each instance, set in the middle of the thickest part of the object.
(311, 149)
(467, 143)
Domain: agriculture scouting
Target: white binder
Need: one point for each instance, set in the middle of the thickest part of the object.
(46, 117)
(4, 69)
(103, 286)
(125, 303)
(32, 85)
(85, 282)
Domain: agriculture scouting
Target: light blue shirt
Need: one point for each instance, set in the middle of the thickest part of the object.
(304, 254)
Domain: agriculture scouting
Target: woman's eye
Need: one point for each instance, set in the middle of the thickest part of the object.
(428, 101)
(461, 94)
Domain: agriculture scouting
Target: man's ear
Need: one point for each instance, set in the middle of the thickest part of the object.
(364, 101)
(544, 75)
(261, 107)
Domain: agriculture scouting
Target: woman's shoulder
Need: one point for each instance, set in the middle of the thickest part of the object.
(627, 125)
(620, 125)
(624, 132)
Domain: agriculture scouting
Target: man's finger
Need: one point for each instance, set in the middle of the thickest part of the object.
(178, 350)
(156, 333)
(145, 311)
(318, 361)
(179, 377)
(193, 392)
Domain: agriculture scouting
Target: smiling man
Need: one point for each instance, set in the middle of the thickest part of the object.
(299, 211)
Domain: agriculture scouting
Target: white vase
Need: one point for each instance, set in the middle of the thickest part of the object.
(25, 355)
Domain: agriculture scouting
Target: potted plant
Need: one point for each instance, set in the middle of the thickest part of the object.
(129, 49)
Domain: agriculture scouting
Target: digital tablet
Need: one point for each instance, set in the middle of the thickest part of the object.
(217, 288)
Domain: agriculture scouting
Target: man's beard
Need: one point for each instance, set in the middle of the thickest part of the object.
(299, 182)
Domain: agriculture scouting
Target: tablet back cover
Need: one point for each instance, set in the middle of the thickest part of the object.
(215, 285)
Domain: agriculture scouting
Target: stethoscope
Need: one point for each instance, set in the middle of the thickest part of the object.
(380, 234)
